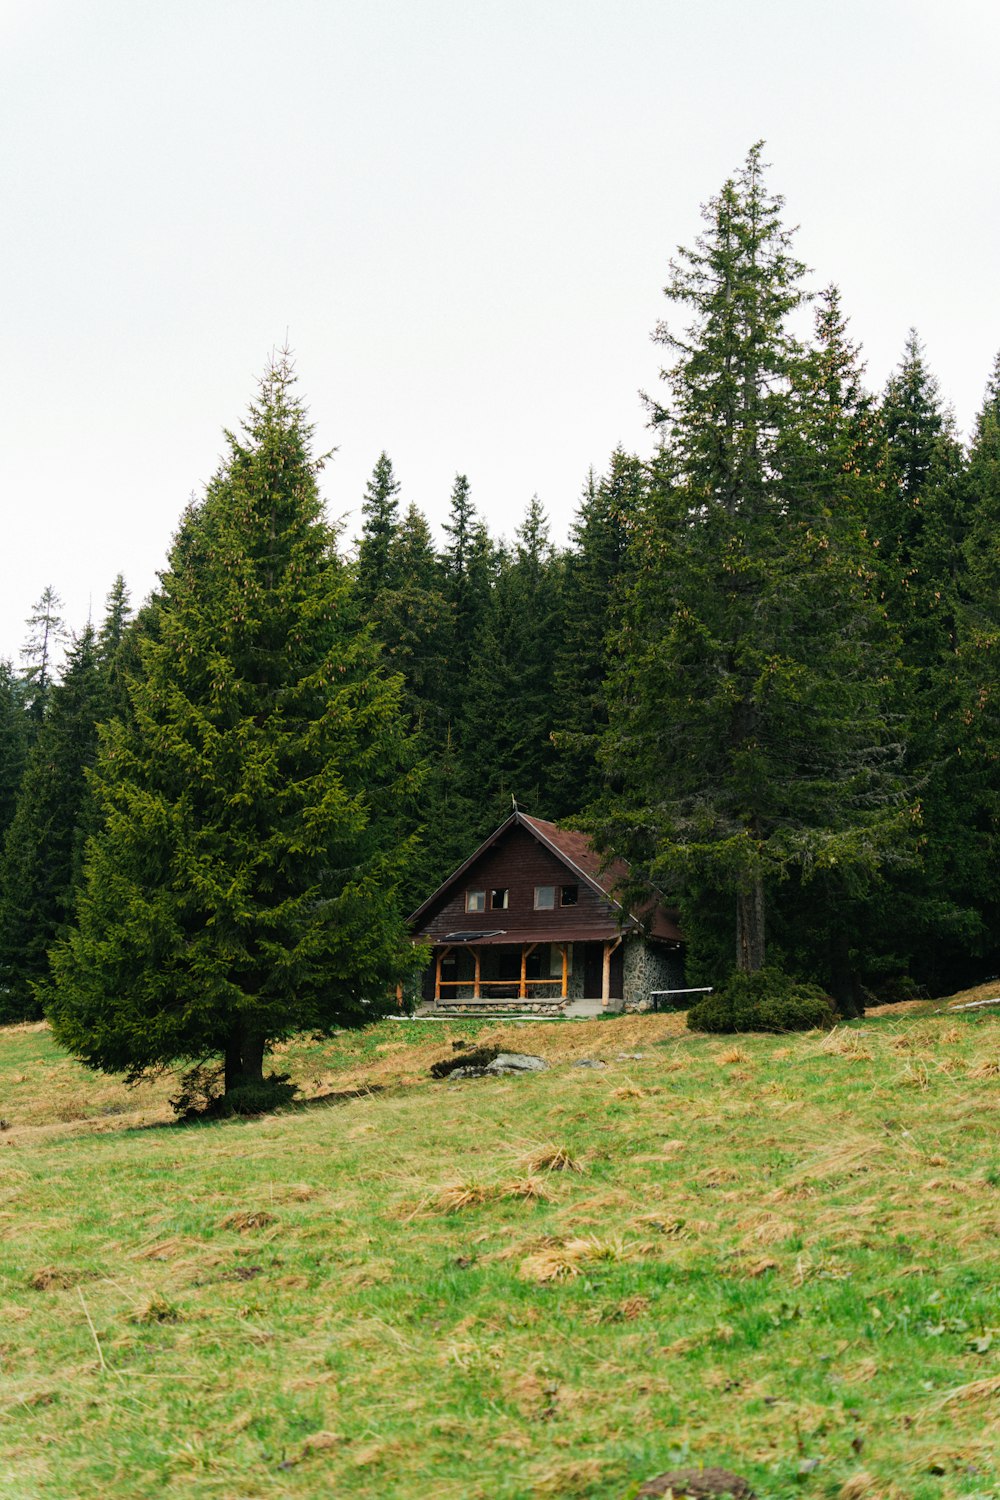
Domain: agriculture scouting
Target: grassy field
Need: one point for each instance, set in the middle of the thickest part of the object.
(774, 1254)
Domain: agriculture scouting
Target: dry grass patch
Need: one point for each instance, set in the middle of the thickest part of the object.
(156, 1310)
(849, 1044)
(854, 1155)
(244, 1221)
(765, 1229)
(974, 1390)
(531, 1188)
(456, 1196)
(57, 1278)
(564, 1258)
(569, 1480)
(629, 1091)
(552, 1159)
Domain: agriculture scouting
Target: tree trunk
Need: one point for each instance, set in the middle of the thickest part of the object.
(244, 1058)
(844, 983)
(750, 927)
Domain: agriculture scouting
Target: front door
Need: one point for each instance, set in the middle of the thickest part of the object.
(593, 970)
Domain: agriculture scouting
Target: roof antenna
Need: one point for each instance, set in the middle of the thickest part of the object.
(513, 801)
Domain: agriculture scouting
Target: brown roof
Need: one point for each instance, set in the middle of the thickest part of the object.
(575, 850)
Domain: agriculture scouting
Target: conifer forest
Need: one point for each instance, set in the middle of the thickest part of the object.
(763, 667)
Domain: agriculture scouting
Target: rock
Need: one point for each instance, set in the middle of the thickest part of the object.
(697, 1484)
(486, 1062)
(631, 1056)
(465, 1062)
(516, 1062)
(589, 1062)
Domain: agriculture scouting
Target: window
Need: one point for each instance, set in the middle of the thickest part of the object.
(569, 895)
(475, 900)
(498, 900)
(545, 897)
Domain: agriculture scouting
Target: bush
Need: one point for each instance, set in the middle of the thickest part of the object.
(766, 1001)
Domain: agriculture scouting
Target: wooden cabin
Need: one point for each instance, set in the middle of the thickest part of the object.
(530, 918)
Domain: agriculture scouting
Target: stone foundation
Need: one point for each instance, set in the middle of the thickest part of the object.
(497, 1007)
(648, 967)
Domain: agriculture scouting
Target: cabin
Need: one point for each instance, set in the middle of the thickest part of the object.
(530, 921)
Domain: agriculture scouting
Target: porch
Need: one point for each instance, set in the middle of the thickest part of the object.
(490, 972)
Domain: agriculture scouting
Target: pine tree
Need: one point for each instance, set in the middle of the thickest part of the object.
(832, 926)
(13, 742)
(921, 522)
(113, 649)
(380, 509)
(468, 566)
(411, 617)
(507, 721)
(244, 882)
(976, 769)
(747, 739)
(40, 867)
(596, 570)
(47, 633)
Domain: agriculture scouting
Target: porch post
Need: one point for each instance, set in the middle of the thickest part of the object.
(437, 976)
(526, 948)
(563, 949)
(609, 948)
(475, 982)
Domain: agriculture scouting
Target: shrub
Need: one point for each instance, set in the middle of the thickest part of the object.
(766, 1001)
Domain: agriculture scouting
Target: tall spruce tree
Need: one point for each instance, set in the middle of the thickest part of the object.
(380, 512)
(13, 742)
(921, 523)
(833, 926)
(468, 564)
(46, 634)
(42, 851)
(244, 883)
(977, 766)
(746, 737)
(506, 725)
(596, 570)
(113, 649)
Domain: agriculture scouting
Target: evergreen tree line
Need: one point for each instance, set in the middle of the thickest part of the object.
(763, 667)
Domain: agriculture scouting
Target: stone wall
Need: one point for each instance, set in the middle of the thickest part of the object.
(650, 966)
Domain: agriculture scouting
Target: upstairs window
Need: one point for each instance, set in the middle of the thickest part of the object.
(475, 900)
(545, 897)
(569, 895)
(498, 899)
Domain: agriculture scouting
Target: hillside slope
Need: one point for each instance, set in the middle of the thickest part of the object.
(775, 1254)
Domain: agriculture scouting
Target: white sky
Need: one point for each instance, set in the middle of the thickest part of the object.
(461, 212)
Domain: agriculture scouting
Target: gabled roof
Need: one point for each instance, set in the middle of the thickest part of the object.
(576, 852)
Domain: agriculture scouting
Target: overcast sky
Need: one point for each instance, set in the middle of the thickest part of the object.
(460, 214)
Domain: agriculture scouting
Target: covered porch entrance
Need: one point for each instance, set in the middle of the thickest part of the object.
(476, 971)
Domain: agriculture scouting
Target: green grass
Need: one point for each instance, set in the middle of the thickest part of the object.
(777, 1255)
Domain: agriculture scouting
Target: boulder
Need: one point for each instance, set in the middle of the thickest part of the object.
(516, 1062)
(484, 1062)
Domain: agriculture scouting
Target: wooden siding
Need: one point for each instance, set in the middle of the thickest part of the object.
(519, 863)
